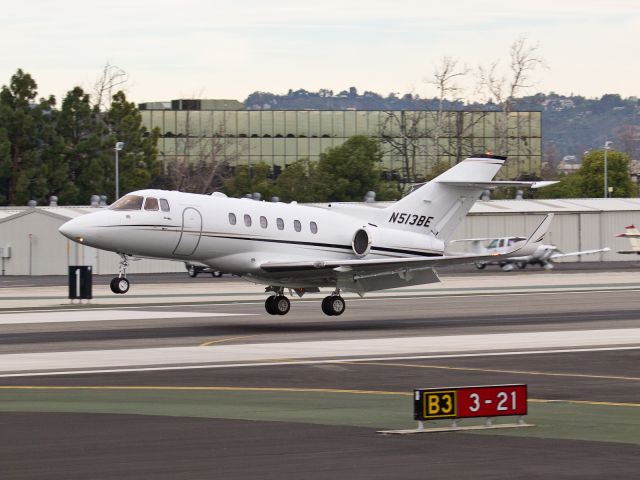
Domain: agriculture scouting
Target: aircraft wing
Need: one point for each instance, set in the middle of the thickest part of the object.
(584, 252)
(405, 268)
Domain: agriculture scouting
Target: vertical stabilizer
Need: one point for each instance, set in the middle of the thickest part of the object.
(439, 206)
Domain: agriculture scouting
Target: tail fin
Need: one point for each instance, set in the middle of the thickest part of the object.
(440, 205)
(633, 235)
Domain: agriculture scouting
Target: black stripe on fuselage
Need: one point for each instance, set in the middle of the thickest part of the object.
(326, 245)
(294, 242)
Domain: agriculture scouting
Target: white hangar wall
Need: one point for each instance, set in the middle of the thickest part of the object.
(38, 249)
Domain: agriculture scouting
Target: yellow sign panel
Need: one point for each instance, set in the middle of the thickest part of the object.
(439, 404)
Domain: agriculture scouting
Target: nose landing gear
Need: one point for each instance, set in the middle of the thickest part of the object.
(120, 284)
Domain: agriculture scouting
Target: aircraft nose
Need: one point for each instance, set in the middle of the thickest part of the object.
(73, 230)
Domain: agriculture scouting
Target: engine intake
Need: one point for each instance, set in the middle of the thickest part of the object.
(361, 243)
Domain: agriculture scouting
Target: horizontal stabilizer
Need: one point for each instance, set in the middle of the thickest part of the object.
(496, 184)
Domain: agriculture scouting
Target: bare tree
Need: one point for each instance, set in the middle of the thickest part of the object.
(444, 79)
(405, 133)
(111, 79)
(503, 88)
(202, 161)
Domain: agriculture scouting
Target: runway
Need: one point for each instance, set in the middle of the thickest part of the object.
(186, 389)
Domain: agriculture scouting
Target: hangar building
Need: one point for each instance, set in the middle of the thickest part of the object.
(31, 245)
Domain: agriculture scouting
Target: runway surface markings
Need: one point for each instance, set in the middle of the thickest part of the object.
(269, 389)
(223, 340)
(58, 316)
(274, 362)
(561, 290)
(492, 370)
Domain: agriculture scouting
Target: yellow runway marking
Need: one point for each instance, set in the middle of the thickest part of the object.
(272, 389)
(493, 370)
(222, 340)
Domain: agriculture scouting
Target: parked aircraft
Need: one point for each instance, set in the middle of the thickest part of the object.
(357, 248)
(633, 235)
(543, 255)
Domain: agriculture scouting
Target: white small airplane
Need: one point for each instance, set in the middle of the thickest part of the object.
(347, 247)
(633, 235)
(543, 255)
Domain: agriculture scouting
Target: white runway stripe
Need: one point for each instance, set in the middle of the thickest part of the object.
(98, 316)
(147, 357)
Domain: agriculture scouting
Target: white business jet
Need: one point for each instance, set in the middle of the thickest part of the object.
(543, 255)
(347, 247)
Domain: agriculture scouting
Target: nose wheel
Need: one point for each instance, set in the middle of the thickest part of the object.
(120, 284)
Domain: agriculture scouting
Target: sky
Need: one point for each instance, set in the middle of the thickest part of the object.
(223, 49)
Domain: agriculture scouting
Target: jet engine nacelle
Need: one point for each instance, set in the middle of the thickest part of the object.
(361, 242)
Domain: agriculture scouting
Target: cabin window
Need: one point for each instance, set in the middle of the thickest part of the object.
(263, 222)
(128, 202)
(297, 226)
(280, 223)
(151, 203)
(247, 220)
(164, 205)
(232, 218)
(502, 242)
(314, 227)
(493, 244)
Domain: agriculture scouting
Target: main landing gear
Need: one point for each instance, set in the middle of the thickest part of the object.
(278, 304)
(120, 284)
(334, 304)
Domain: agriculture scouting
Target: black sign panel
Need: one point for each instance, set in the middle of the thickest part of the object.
(80, 282)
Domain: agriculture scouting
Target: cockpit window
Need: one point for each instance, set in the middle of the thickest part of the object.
(493, 244)
(151, 203)
(128, 202)
(164, 205)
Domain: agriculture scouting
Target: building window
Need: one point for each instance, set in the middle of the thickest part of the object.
(232, 218)
(164, 205)
(297, 226)
(247, 220)
(280, 223)
(263, 222)
(314, 227)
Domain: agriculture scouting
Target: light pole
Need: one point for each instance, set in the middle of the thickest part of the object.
(119, 146)
(607, 146)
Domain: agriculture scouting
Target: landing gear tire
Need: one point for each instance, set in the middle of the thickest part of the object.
(281, 305)
(192, 271)
(277, 305)
(119, 285)
(216, 274)
(480, 266)
(521, 265)
(333, 305)
(269, 305)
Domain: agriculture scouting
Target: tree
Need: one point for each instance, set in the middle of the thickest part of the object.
(503, 88)
(249, 180)
(34, 167)
(82, 131)
(588, 181)
(301, 182)
(138, 161)
(352, 169)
